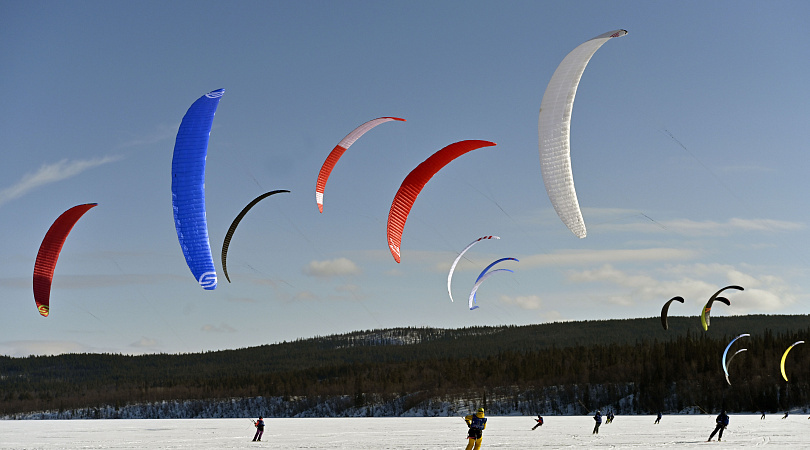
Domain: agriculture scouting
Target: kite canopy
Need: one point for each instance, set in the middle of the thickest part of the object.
(235, 223)
(458, 258)
(486, 270)
(665, 311)
(784, 356)
(337, 152)
(725, 352)
(188, 187)
(479, 282)
(413, 184)
(49, 254)
(554, 129)
(704, 314)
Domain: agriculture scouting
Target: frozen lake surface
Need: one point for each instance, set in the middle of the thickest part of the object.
(404, 433)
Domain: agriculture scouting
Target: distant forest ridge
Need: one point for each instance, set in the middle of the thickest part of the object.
(641, 360)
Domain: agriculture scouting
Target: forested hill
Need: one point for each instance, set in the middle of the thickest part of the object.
(401, 361)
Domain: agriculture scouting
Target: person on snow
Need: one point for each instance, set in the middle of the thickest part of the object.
(598, 419)
(658, 418)
(476, 423)
(610, 417)
(259, 429)
(722, 423)
(786, 414)
(539, 421)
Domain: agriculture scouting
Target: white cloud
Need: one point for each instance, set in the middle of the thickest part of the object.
(31, 347)
(689, 227)
(335, 267)
(763, 293)
(51, 173)
(525, 302)
(579, 257)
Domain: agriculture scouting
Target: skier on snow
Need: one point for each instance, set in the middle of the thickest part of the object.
(598, 419)
(477, 423)
(259, 429)
(539, 421)
(722, 423)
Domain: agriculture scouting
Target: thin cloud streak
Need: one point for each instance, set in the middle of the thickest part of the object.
(705, 228)
(51, 173)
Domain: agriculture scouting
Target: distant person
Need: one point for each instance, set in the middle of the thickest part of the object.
(539, 421)
(610, 417)
(476, 423)
(658, 417)
(786, 414)
(722, 423)
(598, 419)
(259, 429)
(763, 416)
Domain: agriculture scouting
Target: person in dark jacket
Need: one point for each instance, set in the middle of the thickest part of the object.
(539, 421)
(259, 429)
(658, 417)
(598, 419)
(722, 423)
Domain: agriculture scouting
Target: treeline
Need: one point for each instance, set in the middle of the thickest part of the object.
(595, 363)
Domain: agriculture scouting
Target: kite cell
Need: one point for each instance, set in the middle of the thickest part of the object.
(337, 152)
(235, 223)
(554, 129)
(49, 253)
(665, 311)
(188, 187)
(413, 184)
(478, 284)
(704, 314)
(784, 356)
(458, 258)
(725, 353)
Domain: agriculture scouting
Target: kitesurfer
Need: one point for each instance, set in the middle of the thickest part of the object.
(722, 423)
(786, 415)
(658, 417)
(476, 423)
(259, 429)
(539, 421)
(610, 417)
(598, 419)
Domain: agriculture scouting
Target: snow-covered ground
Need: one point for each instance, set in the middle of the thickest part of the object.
(404, 433)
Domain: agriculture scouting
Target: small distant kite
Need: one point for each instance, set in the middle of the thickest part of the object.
(784, 356)
(458, 258)
(49, 254)
(227, 242)
(665, 311)
(726, 363)
(704, 314)
(337, 152)
(478, 283)
(486, 273)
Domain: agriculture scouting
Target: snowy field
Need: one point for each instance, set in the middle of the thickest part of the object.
(404, 433)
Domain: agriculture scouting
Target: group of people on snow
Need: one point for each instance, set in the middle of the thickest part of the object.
(477, 423)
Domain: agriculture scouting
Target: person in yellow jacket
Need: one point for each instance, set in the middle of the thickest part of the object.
(477, 423)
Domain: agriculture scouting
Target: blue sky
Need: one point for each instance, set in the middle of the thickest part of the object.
(689, 153)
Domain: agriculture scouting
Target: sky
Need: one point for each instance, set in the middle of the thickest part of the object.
(688, 143)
